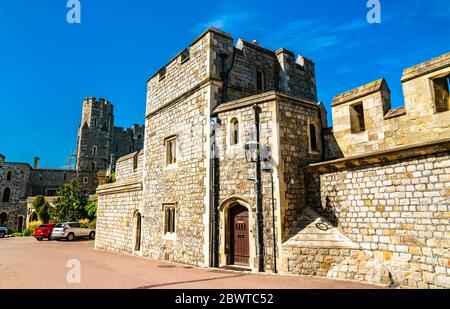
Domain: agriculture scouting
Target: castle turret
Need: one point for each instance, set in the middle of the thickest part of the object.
(94, 136)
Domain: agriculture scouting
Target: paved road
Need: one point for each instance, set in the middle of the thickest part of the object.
(27, 263)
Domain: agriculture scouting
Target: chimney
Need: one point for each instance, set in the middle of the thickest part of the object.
(36, 162)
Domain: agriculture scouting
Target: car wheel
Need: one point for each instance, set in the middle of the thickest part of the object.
(2, 234)
(51, 238)
(39, 238)
(70, 237)
(92, 235)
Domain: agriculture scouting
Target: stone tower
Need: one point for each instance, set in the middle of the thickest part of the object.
(100, 143)
(95, 135)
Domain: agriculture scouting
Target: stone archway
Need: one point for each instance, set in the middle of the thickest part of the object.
(236, 224)
(34, 217)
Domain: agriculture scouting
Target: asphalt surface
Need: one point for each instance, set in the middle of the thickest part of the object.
(27, 263)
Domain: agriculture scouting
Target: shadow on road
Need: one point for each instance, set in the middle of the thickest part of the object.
(188, 281)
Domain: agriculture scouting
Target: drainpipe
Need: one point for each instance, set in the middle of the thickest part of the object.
(214, 202)
(322, 137)
(258, 193)
(274, 235)
(225, 74)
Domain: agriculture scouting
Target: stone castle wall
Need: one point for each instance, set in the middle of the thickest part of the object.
(181, 184)
(18, 185)
(417, 122)
(47, 181)
(397, 213)
(118, 203)
(130, 166)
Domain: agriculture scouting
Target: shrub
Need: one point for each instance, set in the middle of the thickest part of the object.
(28, 232)
(93, 224)
(110, 178)
(91, 210)
(84, 221)
(33, 225)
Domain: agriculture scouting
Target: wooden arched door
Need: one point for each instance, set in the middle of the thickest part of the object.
(239, 236)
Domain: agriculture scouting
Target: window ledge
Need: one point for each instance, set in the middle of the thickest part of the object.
(171, 167)
(170, 236)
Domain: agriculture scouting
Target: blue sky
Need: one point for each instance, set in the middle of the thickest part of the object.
(48, 65)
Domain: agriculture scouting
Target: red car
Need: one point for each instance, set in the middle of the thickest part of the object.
(44, 231)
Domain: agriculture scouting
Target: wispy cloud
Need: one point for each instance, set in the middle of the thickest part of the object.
(310, 36)
(231, 18)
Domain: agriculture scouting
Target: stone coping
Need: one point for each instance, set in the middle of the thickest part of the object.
(397, 112)
(393, 154)
(133, 184)
(359, 92)
(129, 156)
(55, 170)
(426, 67)
(51, 199)
(261, 98)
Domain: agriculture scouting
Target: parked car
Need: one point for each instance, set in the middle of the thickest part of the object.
(3, 231)
(44, 231)
(72, 230)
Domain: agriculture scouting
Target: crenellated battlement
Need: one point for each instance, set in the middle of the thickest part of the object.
(364, 122)
(244, 69)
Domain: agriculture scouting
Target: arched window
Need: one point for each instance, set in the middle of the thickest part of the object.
(93, 166)
(259, 81)
(9, 176)
(6, 195)
(313, 138)
(234, 132)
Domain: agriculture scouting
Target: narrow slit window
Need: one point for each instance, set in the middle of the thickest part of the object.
(234, 132)
(169, 219)
(171, 151)
(259, 81)
(94, 150)
(313, 138)
(9, 176)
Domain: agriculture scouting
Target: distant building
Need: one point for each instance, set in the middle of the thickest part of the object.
(100, 144)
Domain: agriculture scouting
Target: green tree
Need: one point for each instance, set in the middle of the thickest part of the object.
(42, 209)
(44, 213)
(70, 204)
(38, 202)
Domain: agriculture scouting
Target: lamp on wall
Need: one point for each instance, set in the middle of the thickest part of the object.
(251, 151)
